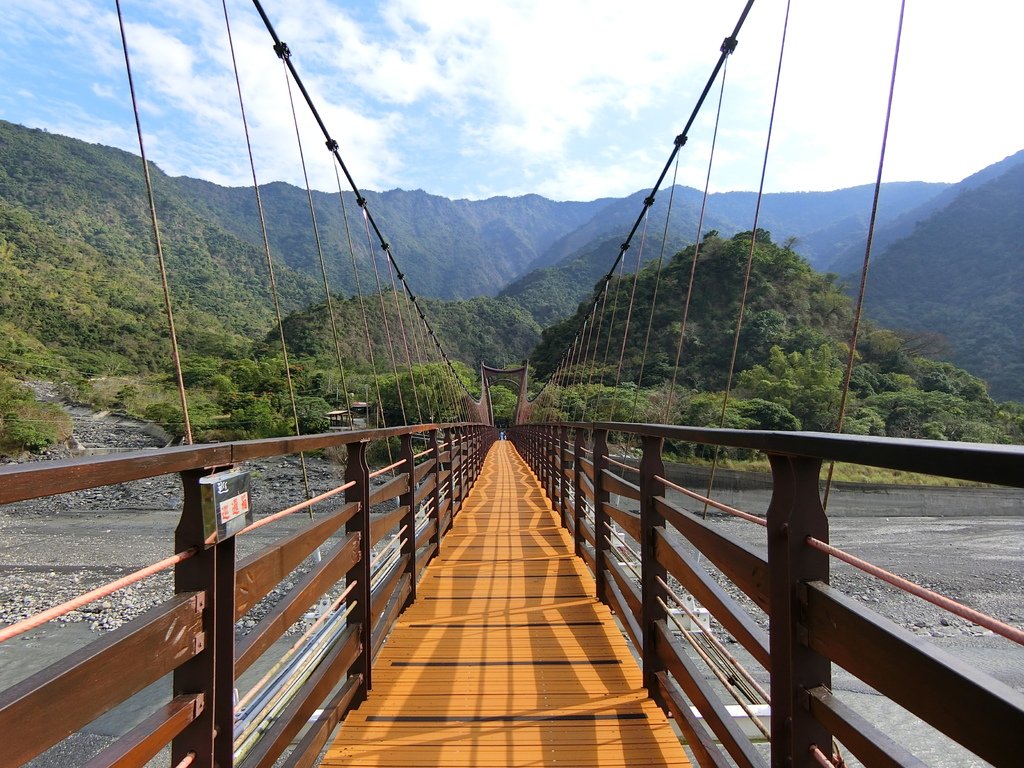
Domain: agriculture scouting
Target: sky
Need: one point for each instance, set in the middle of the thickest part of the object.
(570, 99)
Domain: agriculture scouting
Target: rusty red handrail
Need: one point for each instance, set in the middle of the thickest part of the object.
(30, 623)
(712, 503)
(297, 507)
(946, 603)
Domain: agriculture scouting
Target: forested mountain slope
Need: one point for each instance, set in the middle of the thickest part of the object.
(960, 273)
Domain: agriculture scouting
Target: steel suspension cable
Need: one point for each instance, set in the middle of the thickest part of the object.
(419, 345)
(332, 145)
(750, 253)
(859, 308)
(597, 344)
(657, 286)
(266, 250)
(319, 244)
(362, 302)
(727, 48)
(632, 297)
(696, 248)
(164, 283)
(384, 318)
(405, 344)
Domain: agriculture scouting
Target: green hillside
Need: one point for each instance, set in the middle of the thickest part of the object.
(960, 273)
(790, 360)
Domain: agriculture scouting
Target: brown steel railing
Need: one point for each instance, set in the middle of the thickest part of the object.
(192, 635)
(641, 563)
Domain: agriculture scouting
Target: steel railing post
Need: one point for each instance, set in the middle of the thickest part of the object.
(577, 490)
(357, 471)
(408, 500)
(794, 513)
(651, 610)
(601, 545)
(212, 671)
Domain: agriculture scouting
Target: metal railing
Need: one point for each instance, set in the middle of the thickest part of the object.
(379, 556)
(645, 572)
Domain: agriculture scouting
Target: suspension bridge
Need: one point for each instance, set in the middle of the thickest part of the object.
(553, 598)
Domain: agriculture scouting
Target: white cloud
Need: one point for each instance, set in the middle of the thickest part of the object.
(511, 97)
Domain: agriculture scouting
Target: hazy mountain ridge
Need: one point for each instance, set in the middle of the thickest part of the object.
(960, 273)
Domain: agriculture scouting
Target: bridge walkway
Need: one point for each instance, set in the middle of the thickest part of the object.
(506, 658)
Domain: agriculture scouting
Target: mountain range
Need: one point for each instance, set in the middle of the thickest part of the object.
(947, 258)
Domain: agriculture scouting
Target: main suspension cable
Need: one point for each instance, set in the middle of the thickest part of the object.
(283, 51)
(319, 244)
(168, 308)
(266, 249)
(727, 48)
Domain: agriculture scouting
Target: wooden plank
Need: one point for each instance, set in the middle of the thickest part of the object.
(989, 716)
(617, 485)
(743, 565)
(383, 523)
(94, 679)
(307, 590)
(868, 744)
(697, 738)
(423, 468)
(308, 749)
(260, 572)
(393, 488)
(692, 680)
(708, 593)
(506, 657)
(630, 521)
(144, 741)
(298, 711)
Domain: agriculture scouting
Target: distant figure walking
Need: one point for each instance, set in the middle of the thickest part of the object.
(501, 435)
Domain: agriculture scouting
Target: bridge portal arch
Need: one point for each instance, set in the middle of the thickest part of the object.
(519, 377)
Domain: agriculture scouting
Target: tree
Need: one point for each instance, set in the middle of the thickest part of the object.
(807, 384)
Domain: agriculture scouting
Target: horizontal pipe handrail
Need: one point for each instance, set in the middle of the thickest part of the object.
(38, 619)
(712, 503)
(296, 508)
(946, 603)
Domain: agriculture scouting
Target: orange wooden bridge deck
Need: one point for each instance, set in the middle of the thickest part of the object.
(506, 658)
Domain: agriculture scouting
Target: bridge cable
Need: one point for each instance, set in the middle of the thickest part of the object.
(858, 310)
(319, 244)
(420, 346)
(405, 344)
(726, 49)
(282, 50)
(657, 286)
(597, 344)
(379, 412)
(168, 308)
(696, 250)
(266, 249)
(750, 254)
(632, 296)
(384, 318)
(611, 322)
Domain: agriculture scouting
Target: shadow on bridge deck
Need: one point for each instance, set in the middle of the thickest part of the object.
(506, 659)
